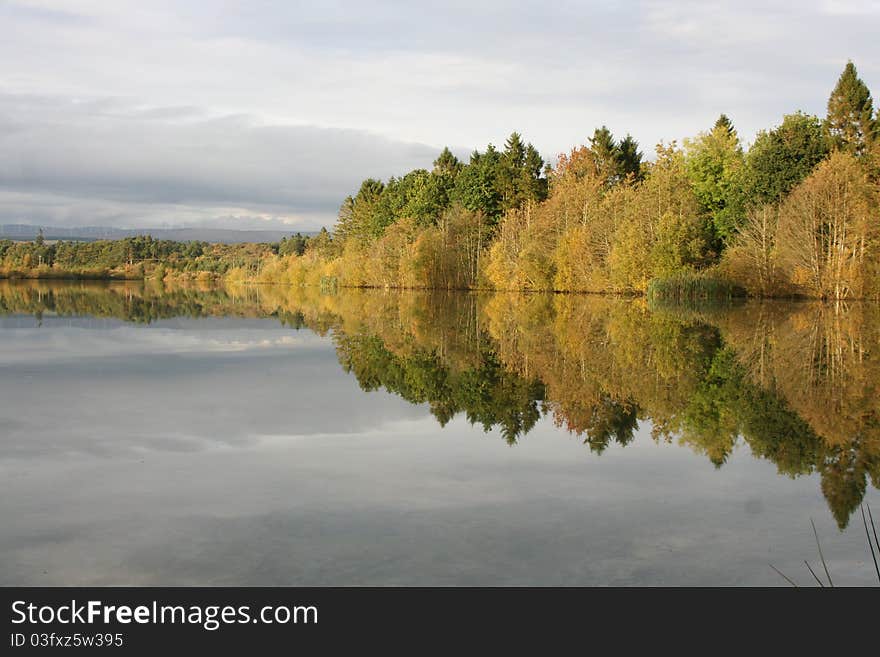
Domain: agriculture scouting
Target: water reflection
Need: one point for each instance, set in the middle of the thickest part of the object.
(796, 382)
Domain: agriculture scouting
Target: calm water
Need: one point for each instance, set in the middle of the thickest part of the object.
(278, 436)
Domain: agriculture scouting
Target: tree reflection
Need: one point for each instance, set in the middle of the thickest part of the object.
(795, 383)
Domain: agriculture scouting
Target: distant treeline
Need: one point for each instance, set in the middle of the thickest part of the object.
(795, 214)
(28, 232)
(138, 258)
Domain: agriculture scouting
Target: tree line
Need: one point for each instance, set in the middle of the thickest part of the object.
(796, 213)
(138, 258)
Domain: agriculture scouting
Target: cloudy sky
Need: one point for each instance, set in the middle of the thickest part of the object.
(262, 112)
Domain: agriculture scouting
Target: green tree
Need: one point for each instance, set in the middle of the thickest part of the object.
(322, 244)
(850, 123)
(415, 195)
(715, 164)
(724, 123)
(519, 174)
(783, 157)
(359, 216)
(535, 174)
(615, 161)
(294, 245)
(629, 159)
(476, 187)
(510, 172)
(606, 154)
(444, 174)
(447, 164)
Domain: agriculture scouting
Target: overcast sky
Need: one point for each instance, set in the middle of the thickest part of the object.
(260, 112)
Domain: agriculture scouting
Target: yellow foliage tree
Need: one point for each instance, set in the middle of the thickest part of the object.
(828, 231)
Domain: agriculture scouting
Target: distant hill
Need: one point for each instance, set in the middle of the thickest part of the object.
(91, 233)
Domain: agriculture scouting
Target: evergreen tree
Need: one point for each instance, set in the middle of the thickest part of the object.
(629, 159)
(322, 244)
(615, 160)
(294, 245)
(519, 176)
(514, 151)
(416, 195)
(443, 177)
(360, 217)
(605, 154)
(510, 174)
(783, 157)
(851, 125)
(725, 123)
(476, 187)
(535, 173)
(447, 164)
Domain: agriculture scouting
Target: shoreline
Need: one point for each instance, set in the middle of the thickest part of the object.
(214, 279)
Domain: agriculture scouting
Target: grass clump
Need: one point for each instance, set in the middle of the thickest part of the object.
(693, 286)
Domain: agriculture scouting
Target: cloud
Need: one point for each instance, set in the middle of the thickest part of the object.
(174, 386)
(104, 160)
(276, 110)
(59, 345)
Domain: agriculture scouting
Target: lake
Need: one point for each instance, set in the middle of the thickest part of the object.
(281, 436)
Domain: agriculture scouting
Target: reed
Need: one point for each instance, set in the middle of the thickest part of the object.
(873, 547)
(693, 286)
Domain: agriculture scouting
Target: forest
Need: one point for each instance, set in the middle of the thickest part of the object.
(794, 214)
(137, 258)
(797, 213)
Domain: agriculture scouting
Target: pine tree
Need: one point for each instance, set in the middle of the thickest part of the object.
(725, 122)
(447, 164)
(443, 177)
(519, 173)
(850, 124)
(605, 154)
(629, 158)
(533, 167)
(514, 150)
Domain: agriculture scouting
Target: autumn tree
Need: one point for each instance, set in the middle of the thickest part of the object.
(664, 230)
(828, 230)
(752, 257)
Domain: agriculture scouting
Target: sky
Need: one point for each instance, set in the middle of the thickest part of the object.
(267, 113)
